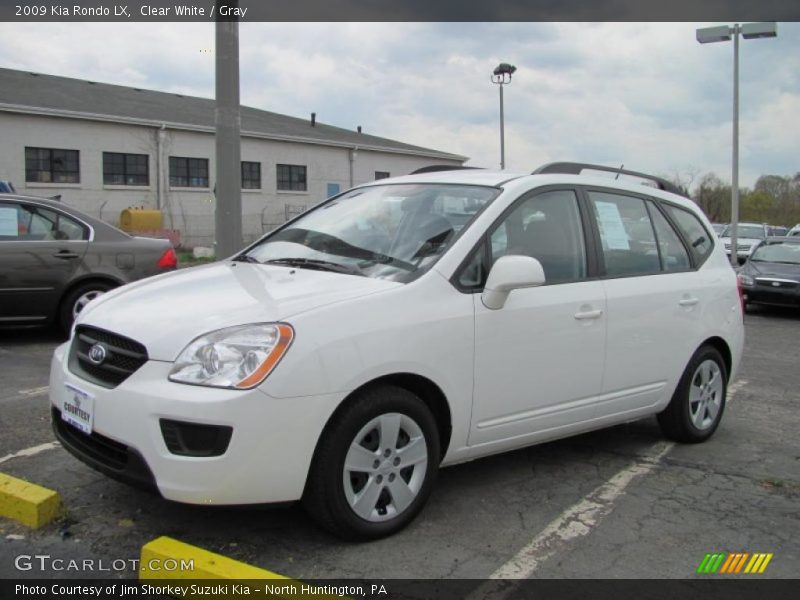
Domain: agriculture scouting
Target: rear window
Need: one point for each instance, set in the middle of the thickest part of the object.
(699, 239)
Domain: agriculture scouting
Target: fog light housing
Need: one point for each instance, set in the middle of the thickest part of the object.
(195, 439)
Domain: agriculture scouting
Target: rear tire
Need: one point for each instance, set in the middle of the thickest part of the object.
(374, 466)
(696, 408)
(74, 302)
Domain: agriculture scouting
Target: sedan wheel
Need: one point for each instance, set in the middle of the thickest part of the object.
(374, 465)
(76, 300)
(83, 300)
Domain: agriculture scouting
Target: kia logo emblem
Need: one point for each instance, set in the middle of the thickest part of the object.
(97, 354)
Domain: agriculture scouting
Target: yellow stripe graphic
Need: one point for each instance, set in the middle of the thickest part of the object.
(753, 562)
(765, 563)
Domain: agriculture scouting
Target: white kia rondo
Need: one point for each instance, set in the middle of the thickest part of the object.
(401, 326)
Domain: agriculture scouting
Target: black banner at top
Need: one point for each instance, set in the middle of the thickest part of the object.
(397, 10)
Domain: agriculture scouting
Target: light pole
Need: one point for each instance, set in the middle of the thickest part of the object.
(502, 76)
(724, 33)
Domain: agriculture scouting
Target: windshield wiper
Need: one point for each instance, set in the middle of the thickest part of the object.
(310, 263)
(330, 244)
(385, 259)
(245, 258)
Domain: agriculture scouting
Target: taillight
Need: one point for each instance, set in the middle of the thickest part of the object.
(168, 260)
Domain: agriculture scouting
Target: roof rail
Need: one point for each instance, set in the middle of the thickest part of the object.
(571, 168)
(435, 168)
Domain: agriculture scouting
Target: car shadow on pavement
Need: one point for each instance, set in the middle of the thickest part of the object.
(21, 336)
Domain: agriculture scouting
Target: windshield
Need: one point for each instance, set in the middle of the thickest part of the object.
(393, 232)
(746, 231)
(779, 252)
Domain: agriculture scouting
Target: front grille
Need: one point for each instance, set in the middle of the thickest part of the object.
(123, 356)
(782, 285)
(96, 447)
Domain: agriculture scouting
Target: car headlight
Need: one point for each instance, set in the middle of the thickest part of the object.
(236, 357)
(746, 280)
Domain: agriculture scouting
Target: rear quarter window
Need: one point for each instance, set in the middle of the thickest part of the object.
(696, 235)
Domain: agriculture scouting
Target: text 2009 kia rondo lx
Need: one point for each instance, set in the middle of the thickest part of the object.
(405, 325)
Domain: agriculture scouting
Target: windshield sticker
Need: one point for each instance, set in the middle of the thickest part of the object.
(612, 229)
(8, 222)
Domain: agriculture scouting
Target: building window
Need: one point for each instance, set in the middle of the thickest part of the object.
(51, 165)
(292, 178)
(125, 169)
(251, 175)
(382, 175)
(188, 172)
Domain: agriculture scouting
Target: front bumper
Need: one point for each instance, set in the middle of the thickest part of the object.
(266, 461)
(741, 253)
(783, 294)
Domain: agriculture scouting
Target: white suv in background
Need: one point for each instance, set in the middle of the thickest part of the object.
(404, 325)
(748, 236)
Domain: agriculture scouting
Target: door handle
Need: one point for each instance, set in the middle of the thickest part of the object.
(688, 301)
(589, 314)
(65, 254)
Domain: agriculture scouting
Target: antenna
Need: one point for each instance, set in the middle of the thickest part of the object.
(619, 172)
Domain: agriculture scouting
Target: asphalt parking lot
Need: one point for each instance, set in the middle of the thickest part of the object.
(619, 503)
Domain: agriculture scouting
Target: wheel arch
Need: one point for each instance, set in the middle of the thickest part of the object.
(722, 347)
(422, 387)
(88, 278)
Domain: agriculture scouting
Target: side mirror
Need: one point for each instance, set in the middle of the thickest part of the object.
(510, 273)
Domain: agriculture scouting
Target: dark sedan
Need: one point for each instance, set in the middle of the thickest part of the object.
(771, 274)
(54, 260)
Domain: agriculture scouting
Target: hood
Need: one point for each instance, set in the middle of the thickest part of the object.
(771, 269)
(168, 311)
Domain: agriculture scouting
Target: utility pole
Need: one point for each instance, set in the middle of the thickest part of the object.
(228, 196)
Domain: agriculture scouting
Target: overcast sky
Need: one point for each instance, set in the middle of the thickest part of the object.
(646, 95)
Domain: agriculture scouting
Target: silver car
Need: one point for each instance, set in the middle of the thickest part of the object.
(55, 259)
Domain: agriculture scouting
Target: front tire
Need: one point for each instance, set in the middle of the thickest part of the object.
(375, 465)
(696, 408)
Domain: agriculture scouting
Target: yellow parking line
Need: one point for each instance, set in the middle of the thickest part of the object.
(28, 503)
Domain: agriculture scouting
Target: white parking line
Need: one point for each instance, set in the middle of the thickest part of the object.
(579, 519)
(575, 522)
(40, 391)
(30, 451)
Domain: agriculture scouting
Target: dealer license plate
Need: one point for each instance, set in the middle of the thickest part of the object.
(78, 408)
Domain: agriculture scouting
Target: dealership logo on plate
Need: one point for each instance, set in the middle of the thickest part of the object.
(97, 354)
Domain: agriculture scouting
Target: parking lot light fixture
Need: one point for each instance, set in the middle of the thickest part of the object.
(502, 77)
(724, 33)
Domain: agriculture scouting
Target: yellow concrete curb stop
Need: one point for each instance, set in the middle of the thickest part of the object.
(27, 503)
(169, 561)
(165, 553)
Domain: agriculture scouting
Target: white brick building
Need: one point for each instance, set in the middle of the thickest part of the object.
(105, 148)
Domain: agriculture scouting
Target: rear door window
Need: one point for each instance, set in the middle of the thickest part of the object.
(626, 234)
